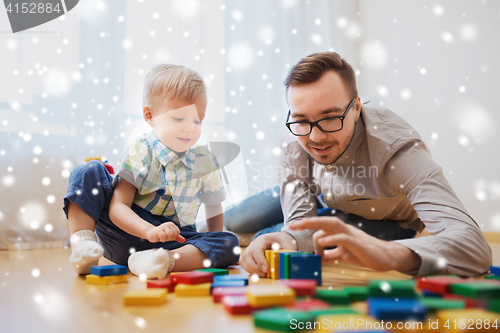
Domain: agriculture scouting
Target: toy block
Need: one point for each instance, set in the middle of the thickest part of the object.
(231, 277)
(437, 284)
(267, 253)
(219, 293)
(392, 288)
(480, 289)
(333, 296)
(401, 309)
(202, 289)
(495, 270)
(279, 319)
(305, 266)
(357, 293)
(236, 305)
(492, 277)
(435, 303)
(308, 305)
(266, 295)
(454, 318)
(145, 297)
(192, 278)
(328, 322)
(105, 280)
(275, 262)
(163, 283)
(339, 310)
(214, 271)
(285, 264)
(301, 287)
(429, 294)
(235, 283)
(469, 302)
(108, 270)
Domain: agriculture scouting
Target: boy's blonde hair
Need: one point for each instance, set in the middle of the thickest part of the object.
(173, 82)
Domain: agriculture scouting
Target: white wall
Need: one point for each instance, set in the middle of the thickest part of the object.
(454, 105)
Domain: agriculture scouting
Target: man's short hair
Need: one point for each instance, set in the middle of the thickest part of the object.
(311, 68)
(173, 82)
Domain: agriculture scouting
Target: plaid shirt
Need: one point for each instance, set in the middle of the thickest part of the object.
(168, 185)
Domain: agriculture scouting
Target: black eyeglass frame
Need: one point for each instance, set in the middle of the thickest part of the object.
(312, 124)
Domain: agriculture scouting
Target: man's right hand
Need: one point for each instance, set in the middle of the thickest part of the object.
(254, 260)
(165, 232)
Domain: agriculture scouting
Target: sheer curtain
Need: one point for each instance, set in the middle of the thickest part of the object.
(71, 89)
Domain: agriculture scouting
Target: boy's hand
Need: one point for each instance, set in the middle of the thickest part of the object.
(165, 232)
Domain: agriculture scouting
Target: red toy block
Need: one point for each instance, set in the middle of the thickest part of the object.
(301, 287)
(437, 284)
(164, 283)
(192, 278)
(308, 305)
(219, 292)
(237, 305)
(469, 302)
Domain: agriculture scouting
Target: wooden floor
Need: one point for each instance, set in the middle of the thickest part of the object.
(39, 292)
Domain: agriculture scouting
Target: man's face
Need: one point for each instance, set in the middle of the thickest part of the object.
(327, 97)
(177, 124)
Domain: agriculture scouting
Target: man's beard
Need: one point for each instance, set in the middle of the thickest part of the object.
(331, 160)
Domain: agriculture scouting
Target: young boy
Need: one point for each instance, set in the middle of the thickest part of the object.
(148, 212)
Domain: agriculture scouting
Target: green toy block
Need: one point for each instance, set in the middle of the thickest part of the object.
(339, 310)
(286, 265)
(282, 320)
(492, 277)
(214, 271)
(358, 293)
(435, 303)
(392, 288)
(332, 296)
(480, 289)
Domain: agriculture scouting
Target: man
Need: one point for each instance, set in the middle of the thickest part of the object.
(364, 160)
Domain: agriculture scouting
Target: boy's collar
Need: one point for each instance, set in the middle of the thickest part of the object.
(166, 155)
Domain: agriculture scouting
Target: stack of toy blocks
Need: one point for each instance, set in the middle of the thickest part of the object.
(106, 275)
(288, 264)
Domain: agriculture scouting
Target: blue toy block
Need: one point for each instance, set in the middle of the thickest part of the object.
(396, 309)
(231, 277)
(495, 270)
(305, 266)
(108, 270)
(429, 294)
(236, 283)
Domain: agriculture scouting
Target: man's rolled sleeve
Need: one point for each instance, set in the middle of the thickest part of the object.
(456, 245)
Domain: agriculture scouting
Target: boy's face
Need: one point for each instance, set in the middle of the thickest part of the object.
(177, 124)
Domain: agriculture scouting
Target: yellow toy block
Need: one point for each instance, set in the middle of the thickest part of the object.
(153, 296)
(275, 263)
(105, 280)
(345, 323)
(268, 258)
(462, 320)
(264, 295)
(202, 289)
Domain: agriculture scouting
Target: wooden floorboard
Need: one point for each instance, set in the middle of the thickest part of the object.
(58, 300)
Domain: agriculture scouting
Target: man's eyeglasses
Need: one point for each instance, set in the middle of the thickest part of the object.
(328, 125)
